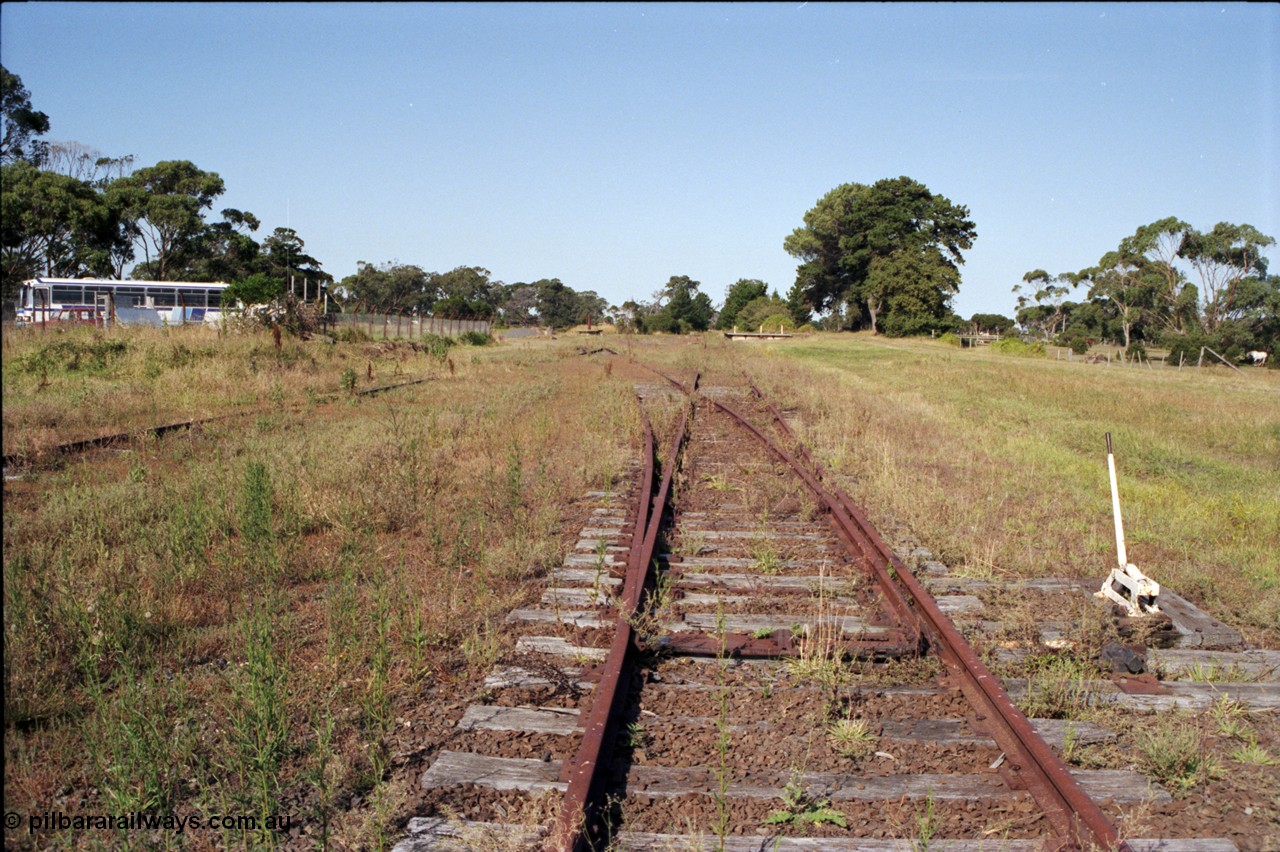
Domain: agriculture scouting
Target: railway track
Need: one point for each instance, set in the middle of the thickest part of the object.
(733, 658)
(26, 459)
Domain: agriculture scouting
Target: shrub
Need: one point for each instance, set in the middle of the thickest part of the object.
(92, 356)
(353, 334)
(1019, 348)
(256, 289)
(1136, 350)
(475, 338)
(776, 322)
(950, 339)
(436, 345)
(1183, 347)
(1173, 752)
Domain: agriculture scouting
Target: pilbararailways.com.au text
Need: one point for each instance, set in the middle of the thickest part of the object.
(146, 821)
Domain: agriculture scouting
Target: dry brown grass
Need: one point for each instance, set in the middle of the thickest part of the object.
(253, 605)
(369, 548)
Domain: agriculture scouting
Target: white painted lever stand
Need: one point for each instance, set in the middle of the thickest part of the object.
(1126, 585)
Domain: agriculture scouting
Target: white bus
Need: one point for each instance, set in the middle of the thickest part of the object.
(94, 299)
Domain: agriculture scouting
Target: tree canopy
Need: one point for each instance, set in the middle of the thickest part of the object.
(1167, 282)
(893, 248)
(20, 122)
(683, 308)
(736, 297)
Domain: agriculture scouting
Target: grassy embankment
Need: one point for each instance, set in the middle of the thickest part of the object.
(998, 464)
(234, 619)
(69, 384)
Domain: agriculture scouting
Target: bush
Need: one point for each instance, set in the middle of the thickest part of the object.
(475, 338)
(1136, 350)
(1075, 339)
(1019, 348)
(257, 289)
(298, 319)
(661, 322)
(950, 339)
(91, 356)
(1183, 347)
(776, 322)
(437, 346)
(353, 334)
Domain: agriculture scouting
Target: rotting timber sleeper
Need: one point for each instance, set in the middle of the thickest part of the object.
(777, 629)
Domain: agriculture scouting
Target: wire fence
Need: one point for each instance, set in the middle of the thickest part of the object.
(388, 326)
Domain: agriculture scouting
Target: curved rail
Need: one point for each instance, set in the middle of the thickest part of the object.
(578, 826)
(1032, 764)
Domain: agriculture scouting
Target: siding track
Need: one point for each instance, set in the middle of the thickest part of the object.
(733, 658)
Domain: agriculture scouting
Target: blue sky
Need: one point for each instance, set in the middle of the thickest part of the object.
(613, 146)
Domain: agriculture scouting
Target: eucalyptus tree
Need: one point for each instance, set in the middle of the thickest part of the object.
(519, 304)
(51, 224)
(1042, 300)
(390, 287)
(1229, 263)
(83, 162)
(558, 304)
(1127, 287)
(466, 292)
(1153, 249)
(164, 206)
(990, 324)
(20, 122)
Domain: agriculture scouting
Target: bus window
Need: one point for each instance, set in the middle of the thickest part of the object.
(68, 294)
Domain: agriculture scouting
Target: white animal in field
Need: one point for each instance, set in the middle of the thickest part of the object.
(1256, 357)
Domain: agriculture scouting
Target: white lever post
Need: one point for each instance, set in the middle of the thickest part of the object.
(1122, 557)
(1126, 585)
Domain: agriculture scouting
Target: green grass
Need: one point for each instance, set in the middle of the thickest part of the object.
(1172, 751)
(1001, 462)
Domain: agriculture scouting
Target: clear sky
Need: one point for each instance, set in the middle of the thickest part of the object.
(613, 146)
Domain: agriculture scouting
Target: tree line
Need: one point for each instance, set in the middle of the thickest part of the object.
(70, 211)
(884, 257)
(1169, 284)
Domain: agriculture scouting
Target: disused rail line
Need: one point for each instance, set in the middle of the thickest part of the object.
(1031, 763)
(837, 593)
(579, 823)
(115, 438)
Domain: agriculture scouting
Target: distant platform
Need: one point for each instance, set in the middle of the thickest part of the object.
(757, 335)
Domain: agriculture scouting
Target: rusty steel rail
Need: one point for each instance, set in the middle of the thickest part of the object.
(83, 445)
(578, 826)
(1031, 763)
